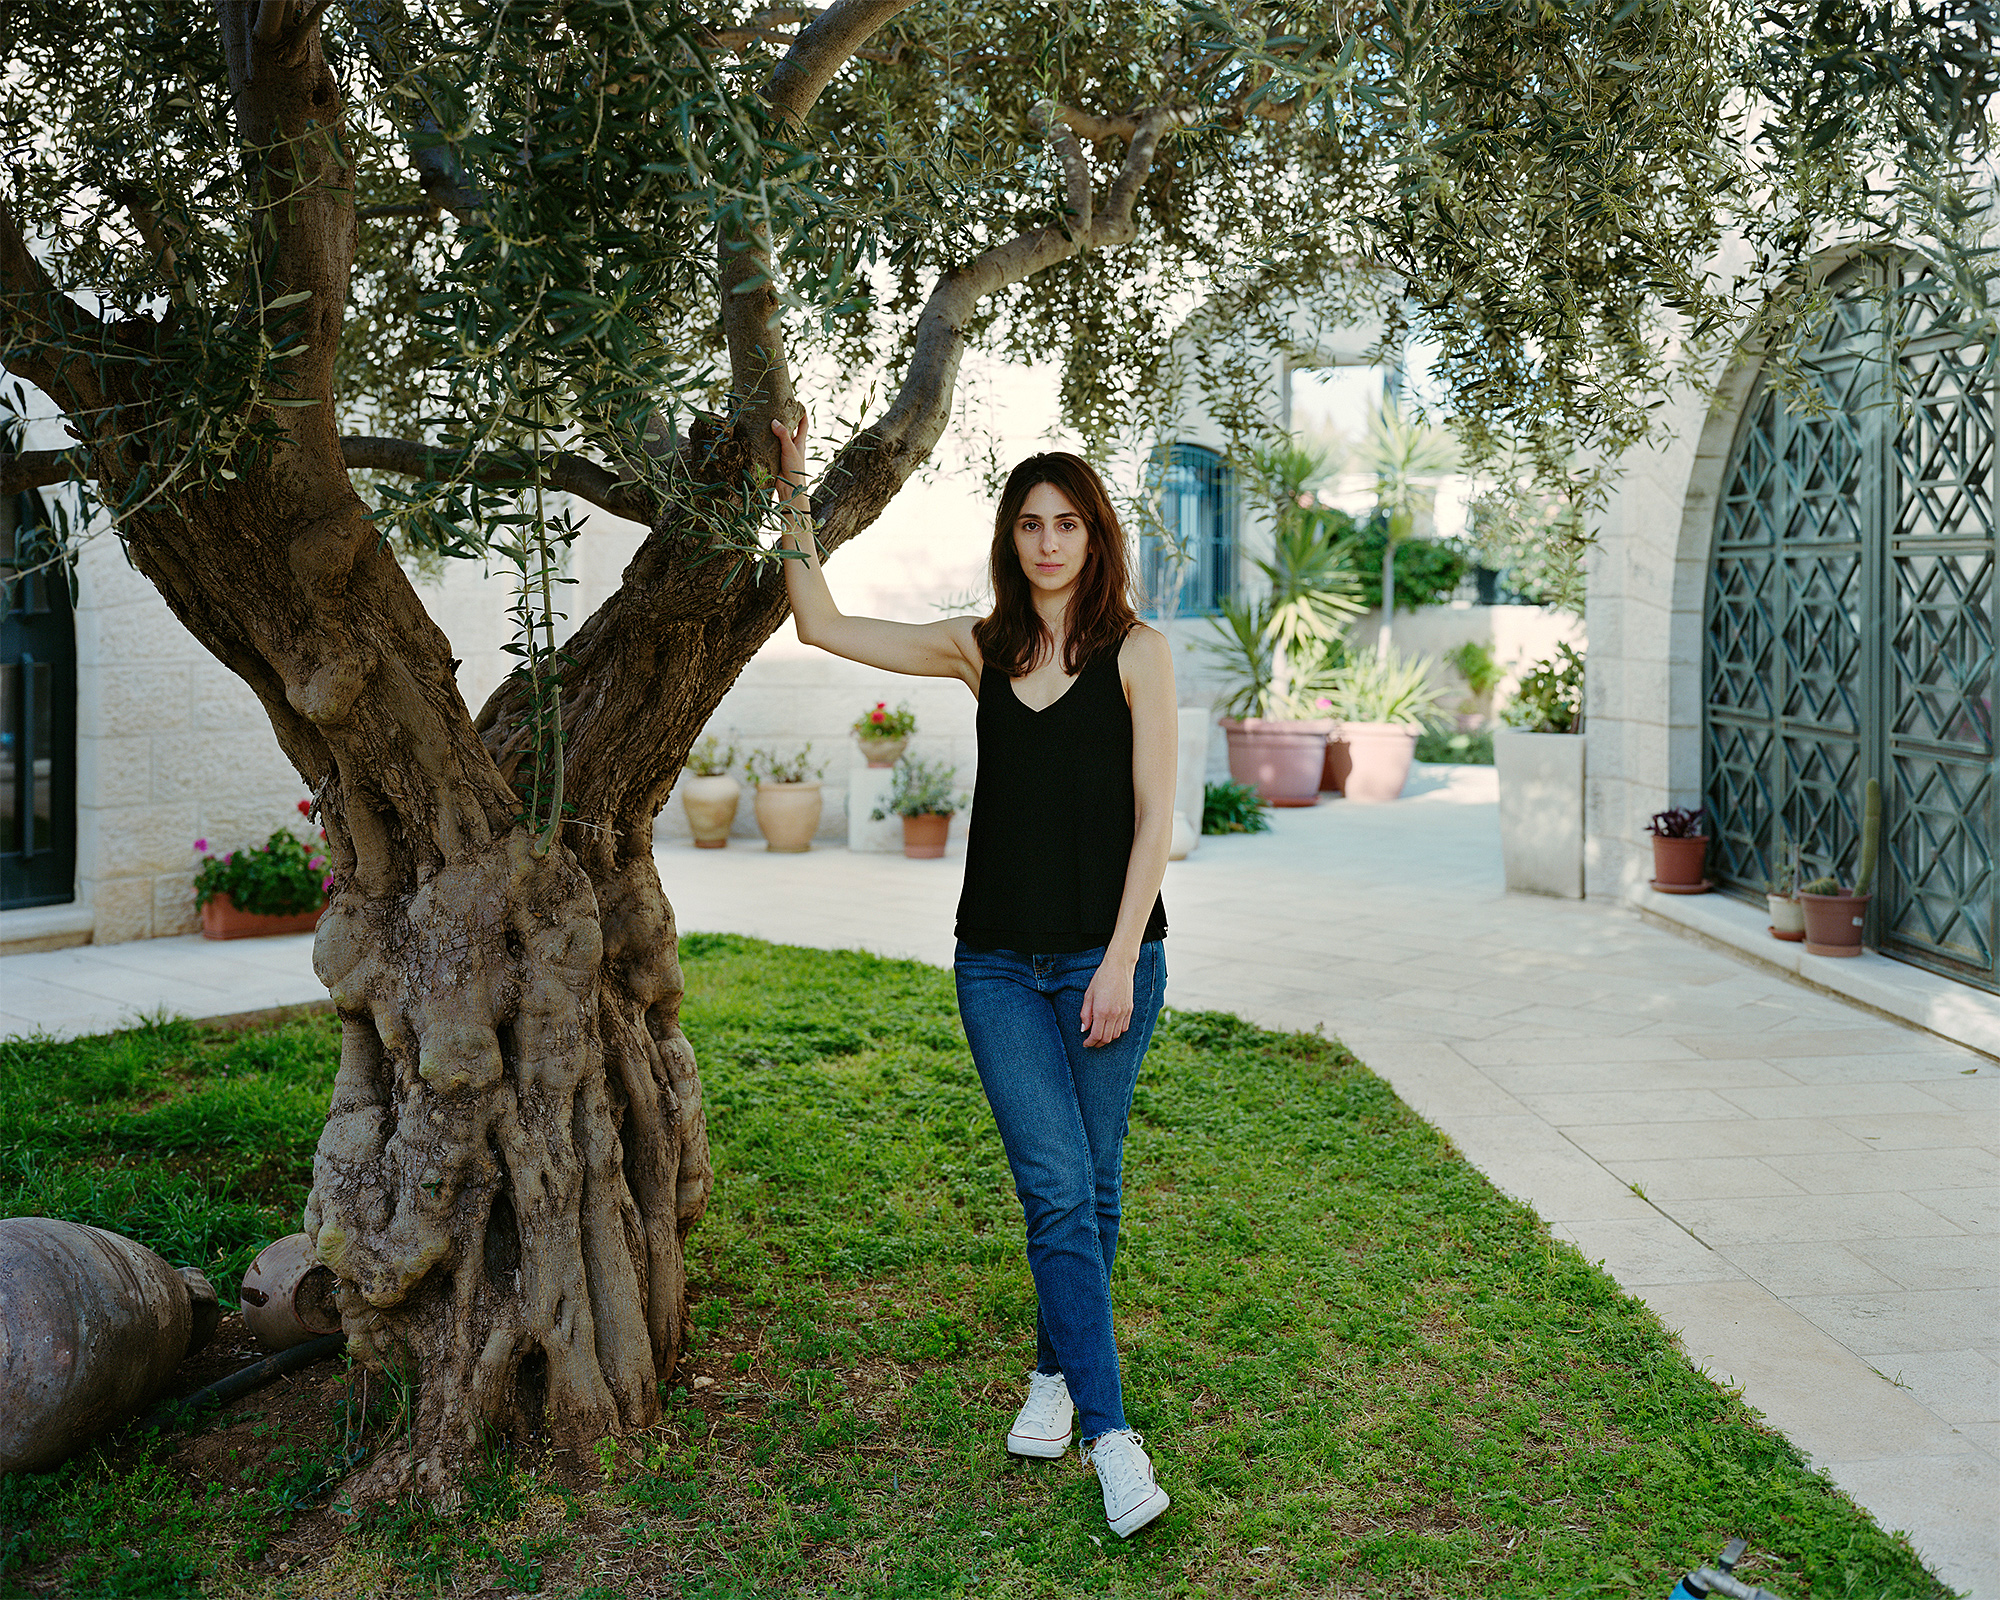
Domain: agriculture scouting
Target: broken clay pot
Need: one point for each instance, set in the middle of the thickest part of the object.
(92, 1326)
(288, 1295)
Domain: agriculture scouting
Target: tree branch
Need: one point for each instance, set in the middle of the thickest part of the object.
(438, 172)
(1088, 125)
(873, 466)
(760, 375)
(1076, 165)
(819, 52)
(573, 474)
(42, 331)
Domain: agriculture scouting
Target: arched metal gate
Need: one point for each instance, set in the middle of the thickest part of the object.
(1850, 629)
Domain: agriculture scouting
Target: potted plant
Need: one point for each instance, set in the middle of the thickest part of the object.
(922, 796)
(883, 733)
(1538, 758)
(278, 887)
(1788, 916)
(1475, 663)
(1680, 851)
(788, 797)
(709, 794)
(1276, 742)
(1381, 704)
(1834, 916)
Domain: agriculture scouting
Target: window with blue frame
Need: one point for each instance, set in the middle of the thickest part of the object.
(1198, 507)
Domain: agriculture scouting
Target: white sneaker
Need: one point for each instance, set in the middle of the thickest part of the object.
(1042, 1429)
(1125, 1474)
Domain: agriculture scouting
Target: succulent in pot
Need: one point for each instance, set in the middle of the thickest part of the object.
(1680, 850)
(922, 795)
(1788, 913)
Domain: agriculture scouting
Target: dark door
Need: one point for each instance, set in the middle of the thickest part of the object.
(1851, 624)
(37, 714)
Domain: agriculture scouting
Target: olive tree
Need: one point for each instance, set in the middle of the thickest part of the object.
(320, 287)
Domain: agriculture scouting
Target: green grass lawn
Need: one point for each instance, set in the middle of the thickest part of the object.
(1361, 1369)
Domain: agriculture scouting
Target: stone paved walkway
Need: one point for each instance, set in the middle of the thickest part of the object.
(1808, 1193)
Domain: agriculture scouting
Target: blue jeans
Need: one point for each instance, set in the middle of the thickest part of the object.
(1062, 1112)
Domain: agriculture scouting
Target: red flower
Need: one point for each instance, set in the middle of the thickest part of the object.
(876, 715)
(305, 808)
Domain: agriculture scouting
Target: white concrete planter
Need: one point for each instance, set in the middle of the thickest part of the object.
(1541, 811)
(867, 788)
(1190, 776)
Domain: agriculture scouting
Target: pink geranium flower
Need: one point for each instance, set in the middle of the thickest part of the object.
(201, 844)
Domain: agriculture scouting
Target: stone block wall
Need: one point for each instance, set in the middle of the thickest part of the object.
(1648, 580)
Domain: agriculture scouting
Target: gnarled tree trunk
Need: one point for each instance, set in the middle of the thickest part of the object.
(515, 1149)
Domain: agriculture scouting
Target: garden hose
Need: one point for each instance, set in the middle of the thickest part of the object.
(245, 1379)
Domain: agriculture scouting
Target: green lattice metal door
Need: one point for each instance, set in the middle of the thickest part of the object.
(1850, 631)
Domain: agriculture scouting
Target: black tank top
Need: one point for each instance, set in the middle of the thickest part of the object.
(1052, 818)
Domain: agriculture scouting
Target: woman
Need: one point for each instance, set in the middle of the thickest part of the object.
(1060, 967)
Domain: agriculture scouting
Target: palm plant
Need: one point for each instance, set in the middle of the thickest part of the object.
(1407, 456)
(1377, 688)
(1312, 593)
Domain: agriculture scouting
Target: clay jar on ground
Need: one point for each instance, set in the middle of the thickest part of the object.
(788, 814)
(1679, 861)
(711, 808)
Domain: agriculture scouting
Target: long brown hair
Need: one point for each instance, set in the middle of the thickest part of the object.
(1014, 638)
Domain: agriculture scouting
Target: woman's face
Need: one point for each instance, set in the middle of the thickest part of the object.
(1052, 540)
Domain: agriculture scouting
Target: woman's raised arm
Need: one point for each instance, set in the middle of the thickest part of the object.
(944, 649)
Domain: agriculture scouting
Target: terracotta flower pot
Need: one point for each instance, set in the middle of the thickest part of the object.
(1339, 762)
(788, 815)
(1381, 754)
(1282, 761)
(711, 808)
(1788, 918)
(221, 920)
(924, 836)
(1678, 863)
(1834, 923)
(288, 1295)
(881, 752)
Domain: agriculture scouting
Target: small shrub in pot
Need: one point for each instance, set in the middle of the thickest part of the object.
(709, 794)
(788, 798)
(922, 794)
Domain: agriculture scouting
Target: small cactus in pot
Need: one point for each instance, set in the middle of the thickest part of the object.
(1788, 915)
(1834, 916)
